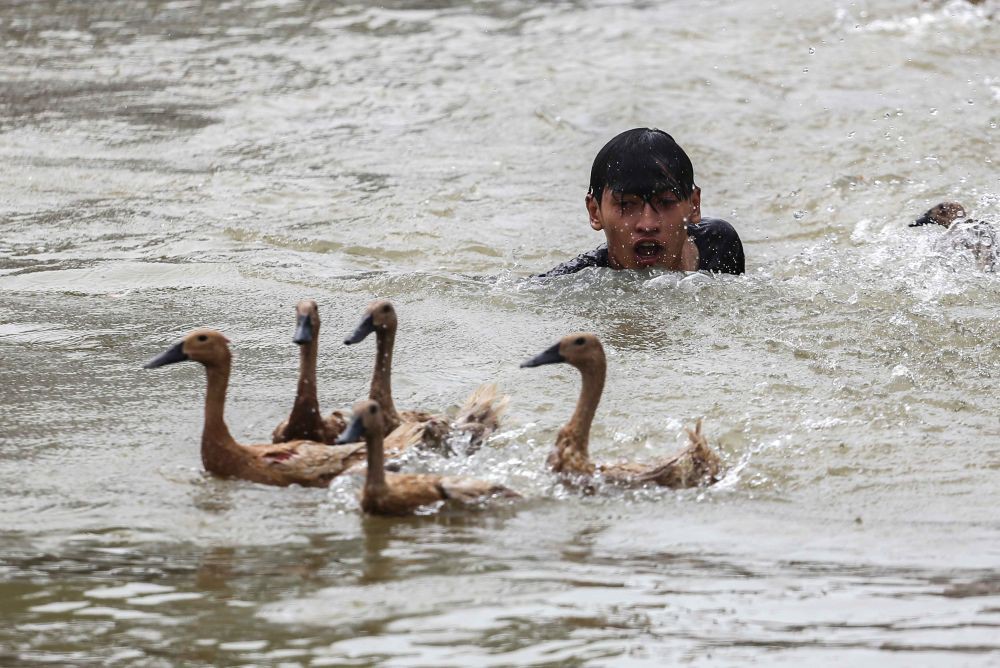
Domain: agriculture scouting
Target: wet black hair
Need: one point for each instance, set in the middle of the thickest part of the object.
(642, 161)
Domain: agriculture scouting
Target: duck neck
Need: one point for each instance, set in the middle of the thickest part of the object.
(306, 408)
(217, 443)
(381, 388)
(586, 407)
(375, 477)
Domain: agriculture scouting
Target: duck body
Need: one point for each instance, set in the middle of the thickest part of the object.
(478, 417)
(402, 493)
(696, 465)
(300, 462)
(976, 237)
(298, 426)
(965, 235)
(405, 493)
(305, 421)
(305, 463)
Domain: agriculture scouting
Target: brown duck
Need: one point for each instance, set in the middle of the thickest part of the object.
(403, 493)
(964, 234)
(695, 465)
(478, 417)
(305, 421)
(305, 463)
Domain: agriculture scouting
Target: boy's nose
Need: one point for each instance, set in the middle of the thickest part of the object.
(649, 221)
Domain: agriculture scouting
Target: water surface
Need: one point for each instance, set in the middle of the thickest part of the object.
(166, 165)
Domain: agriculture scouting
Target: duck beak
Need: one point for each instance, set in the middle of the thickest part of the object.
(548, 356)
(366, 327)
(170, 356)
(355, 432)
(922, 220)
(303, 330)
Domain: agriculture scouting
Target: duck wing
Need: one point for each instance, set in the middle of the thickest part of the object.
(480, 415)
(306, 463)
(415, 416)
(432, 433)
(407, 435)
(623, 473)
(469, 490)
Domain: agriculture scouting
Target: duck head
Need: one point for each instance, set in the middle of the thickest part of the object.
(366, 419)
(380, 315)
(306, 321)
(207, 346)
(581, 349)
(943, 214)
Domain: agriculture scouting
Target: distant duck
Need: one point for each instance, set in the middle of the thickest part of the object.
(478, 417)
(976, 237)
(305, 421)
(696, 465)
(403, 493)
(305, 463)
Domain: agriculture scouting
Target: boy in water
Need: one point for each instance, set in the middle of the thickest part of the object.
(642, 195)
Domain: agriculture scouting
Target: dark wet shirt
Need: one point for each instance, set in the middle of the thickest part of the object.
(719, 250)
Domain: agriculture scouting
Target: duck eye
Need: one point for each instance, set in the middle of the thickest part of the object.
(580, 341)
(372, 410)
(202, 337)
(386, 308)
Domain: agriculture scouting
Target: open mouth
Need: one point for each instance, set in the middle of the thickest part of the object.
(648, 252)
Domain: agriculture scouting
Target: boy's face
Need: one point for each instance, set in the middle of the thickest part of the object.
(644, 234)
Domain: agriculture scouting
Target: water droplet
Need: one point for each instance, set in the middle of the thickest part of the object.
(811, 51)
(805, 70)
(800, 214)
(850, 135)
(933, 111)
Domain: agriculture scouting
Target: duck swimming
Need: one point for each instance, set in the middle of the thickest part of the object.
(695, 465)
(964, 234)
(403, 493)
(305, 421)
(478, 417)
(305, 463)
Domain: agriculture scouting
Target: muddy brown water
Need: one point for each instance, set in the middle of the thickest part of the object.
(165, 165)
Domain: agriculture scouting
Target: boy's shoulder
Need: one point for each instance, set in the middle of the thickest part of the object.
(595, 258)
(720, 249)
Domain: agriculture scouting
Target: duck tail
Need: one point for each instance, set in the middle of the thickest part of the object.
(480, 415)
(707, 460)
(695, 465)
(698, 439)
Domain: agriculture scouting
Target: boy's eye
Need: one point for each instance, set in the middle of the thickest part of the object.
(667, 201)
(629, 204)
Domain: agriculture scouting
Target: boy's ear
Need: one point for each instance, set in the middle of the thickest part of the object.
(594, 211)
(694, 217)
